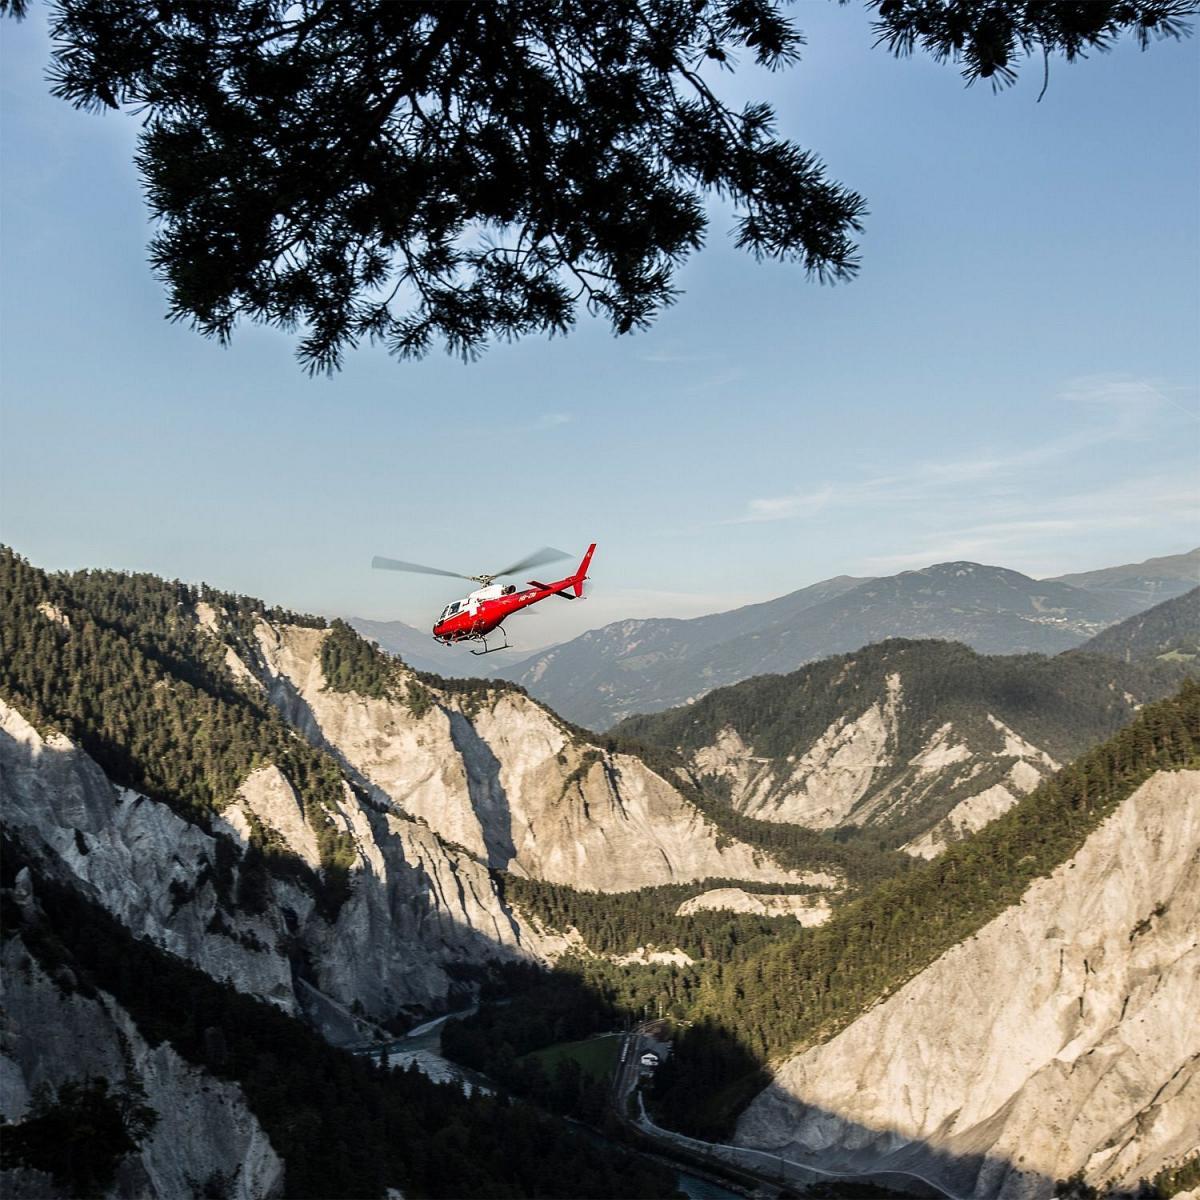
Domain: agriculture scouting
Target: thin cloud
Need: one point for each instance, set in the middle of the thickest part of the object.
(722, 379)
(551, 420)
(1127, 402)
(1142, 503)
(785, 508)
(1111, 409)
(670, 358)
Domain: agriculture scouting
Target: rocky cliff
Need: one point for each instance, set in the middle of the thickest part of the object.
(924, 741)
(356, 878)
(500, 775)
(415, 905)
(53, 1034)
(1060, 1039)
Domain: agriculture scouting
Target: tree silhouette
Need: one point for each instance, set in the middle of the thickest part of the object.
(453, 173)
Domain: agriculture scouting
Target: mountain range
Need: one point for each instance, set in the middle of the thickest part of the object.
(646, 665)
(1139, 585)
(416, 648)
(1167, 633)
(236, 837)
(639, 666)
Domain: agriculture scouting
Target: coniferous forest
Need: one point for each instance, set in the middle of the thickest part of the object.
(122, 667)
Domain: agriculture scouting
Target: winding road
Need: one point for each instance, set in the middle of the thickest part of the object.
(761, 1165)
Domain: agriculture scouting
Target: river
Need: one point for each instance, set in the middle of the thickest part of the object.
(696, 1188)
(422, 1047)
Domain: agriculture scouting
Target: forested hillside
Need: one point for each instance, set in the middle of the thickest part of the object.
(621, 922)
(632, 667)
(894, 737)
(420, 651)
(804, 990)
(1063, 704)
(1167, 635)
(124, 666)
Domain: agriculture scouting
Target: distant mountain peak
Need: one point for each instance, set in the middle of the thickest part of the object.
(960, 566)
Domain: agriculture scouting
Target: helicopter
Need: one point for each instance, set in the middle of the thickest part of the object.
(484, 610)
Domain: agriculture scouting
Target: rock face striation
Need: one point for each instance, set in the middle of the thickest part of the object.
(1060, 1039)
(505, 779)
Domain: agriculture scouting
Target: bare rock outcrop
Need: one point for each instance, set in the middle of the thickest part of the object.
(856, 773)
(966, 817)
(268, 797)
(507, 781)
(1061, 1038)
(808, 910)
(155, 872)
(898, 737)
(416, 906)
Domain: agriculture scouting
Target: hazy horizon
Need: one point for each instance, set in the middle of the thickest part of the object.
(1011, 380)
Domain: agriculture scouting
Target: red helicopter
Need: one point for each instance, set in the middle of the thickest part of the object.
(483, 611)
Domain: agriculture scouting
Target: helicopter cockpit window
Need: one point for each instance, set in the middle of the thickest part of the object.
(453, 609)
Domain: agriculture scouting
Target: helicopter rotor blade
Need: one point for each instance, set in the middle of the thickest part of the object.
(547, 554)
(394, 564)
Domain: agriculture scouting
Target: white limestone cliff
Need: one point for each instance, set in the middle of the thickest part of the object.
(1061, 1038)
(415, 904)
(854, 773)
(266, 794)
(155, 872)
(507, 781)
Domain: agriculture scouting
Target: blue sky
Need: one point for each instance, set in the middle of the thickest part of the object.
(1013, 377)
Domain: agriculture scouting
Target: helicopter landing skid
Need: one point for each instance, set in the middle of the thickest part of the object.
(491, 649)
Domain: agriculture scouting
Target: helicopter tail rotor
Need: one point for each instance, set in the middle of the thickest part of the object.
(581, 574)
